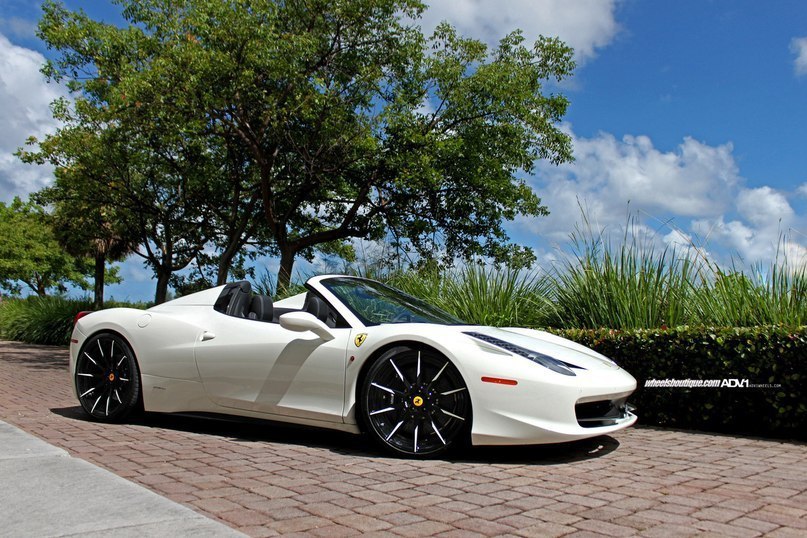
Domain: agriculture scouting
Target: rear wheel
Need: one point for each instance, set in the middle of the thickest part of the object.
(414, 402)
(107, 378)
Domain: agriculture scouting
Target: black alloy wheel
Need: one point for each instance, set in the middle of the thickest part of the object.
(415, 403)
(107, 378)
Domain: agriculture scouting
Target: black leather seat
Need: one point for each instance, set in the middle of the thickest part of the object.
(316, 307)
(260, 308)
(240, 301)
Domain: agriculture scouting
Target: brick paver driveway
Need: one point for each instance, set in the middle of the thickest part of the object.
(266, 479)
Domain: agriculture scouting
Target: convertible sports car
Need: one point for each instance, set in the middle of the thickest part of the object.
(351, 354)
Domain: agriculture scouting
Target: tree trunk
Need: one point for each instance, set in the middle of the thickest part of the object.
(39, 287)
(225, 262)
(163, 275)
(284, 273)
(100, 269)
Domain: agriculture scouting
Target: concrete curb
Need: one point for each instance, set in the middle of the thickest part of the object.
(45, 492)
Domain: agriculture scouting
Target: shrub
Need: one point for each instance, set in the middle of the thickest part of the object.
(45, 320)
(40, 320)
(762, 355)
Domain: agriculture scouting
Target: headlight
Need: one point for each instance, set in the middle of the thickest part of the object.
(546, 361)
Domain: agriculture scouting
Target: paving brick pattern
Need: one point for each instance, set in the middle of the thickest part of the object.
(268, 479)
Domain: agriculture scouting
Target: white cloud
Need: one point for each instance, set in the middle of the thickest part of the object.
(607, 173)
(679, 240)
(764, 207)
(25, 100)
(798, 45)
(795, 254)
(802, 190)
(586, 25)
(691, 198)
(763, 227)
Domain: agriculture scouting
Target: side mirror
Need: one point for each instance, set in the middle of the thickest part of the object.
(303, 321)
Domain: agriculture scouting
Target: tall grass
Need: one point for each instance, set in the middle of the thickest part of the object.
(482, 295)
(46, 320)
(776, 295)
(40, 320)
(628, 285)
(266, 284)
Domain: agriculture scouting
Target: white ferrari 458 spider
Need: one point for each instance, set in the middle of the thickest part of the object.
(351, 354)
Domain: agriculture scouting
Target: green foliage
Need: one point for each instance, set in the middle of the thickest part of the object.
(776, 295)
(46, 320)
(332, 119)
(30, 253)
(266, 284)
(629, 285)
(40, 320)
(132, 178)
(85, 227)
(763, 355)
(481, 295)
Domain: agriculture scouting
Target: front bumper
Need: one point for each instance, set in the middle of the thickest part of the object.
(550, 408)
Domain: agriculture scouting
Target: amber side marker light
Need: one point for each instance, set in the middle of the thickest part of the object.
(499, 380)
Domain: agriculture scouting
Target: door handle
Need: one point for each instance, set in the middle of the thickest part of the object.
(207, 335)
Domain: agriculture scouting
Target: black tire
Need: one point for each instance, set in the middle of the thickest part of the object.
(414, 402)
(107, 378)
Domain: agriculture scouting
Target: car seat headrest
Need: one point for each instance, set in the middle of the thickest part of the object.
(260, 308)
(316, 307)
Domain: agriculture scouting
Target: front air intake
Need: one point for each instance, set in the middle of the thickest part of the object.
(601, 413)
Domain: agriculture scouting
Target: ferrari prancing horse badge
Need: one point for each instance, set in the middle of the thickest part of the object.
(360, 338)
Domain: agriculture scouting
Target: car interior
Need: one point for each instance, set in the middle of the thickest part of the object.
(237, 300)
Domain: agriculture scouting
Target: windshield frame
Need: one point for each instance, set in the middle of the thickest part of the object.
(411, 309)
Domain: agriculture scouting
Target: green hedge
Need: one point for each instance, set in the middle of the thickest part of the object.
(762, 355)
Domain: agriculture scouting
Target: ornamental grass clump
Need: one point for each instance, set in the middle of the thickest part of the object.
(772, 295)
(40, 320)
(478, 294)
(626, 286)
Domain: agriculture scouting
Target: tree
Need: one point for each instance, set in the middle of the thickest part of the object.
(354, 124)
(30, 253)
(235, 220)
(138, 183)
(86, 229)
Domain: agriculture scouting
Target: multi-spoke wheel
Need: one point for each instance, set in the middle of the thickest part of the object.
(414, 402)
(107, 378)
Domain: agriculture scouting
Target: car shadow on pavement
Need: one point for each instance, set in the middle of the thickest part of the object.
(36, 357)
(240, 430)
(554, 454)
(257, 431)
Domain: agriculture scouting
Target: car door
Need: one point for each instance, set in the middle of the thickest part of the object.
(261, 367)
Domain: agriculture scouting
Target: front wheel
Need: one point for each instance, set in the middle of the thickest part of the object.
(107, 378)
(414, 402)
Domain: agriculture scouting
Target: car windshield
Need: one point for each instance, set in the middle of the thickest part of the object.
(375, 303)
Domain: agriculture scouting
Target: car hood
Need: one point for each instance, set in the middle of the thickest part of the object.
(546, 343)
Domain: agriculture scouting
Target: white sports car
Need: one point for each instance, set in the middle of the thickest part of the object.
(350, 354)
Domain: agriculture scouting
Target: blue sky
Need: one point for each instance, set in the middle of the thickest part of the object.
(694, 111)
